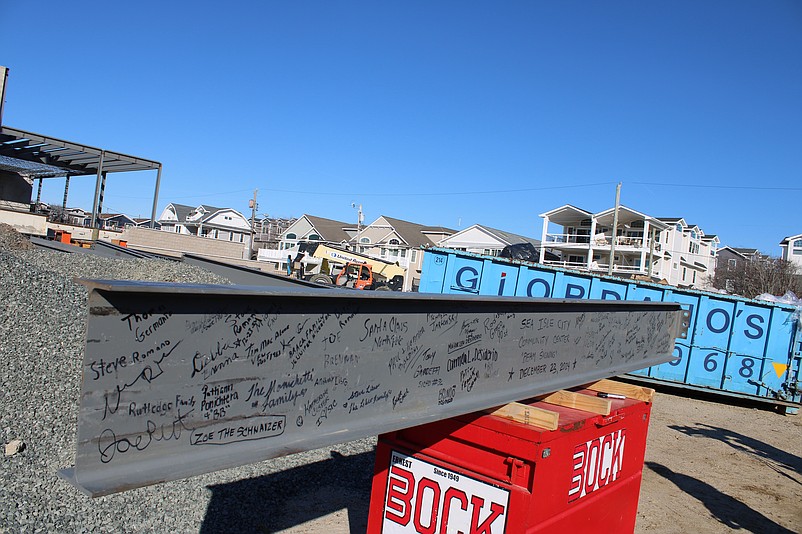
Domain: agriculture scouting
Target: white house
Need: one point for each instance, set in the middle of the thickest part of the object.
(792, 249)
(640, 245)
(484, 240)
(225, 224)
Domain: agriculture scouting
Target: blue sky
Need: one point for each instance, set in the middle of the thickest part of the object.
(441, 113)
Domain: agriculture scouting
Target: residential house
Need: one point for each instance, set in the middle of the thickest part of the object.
(311, 228)
(731, 260)
(641, 245)
(690, 254)
(225, 224)
(142, 222)
(484, 240)
(112, 221)
(268, 232)
(401, 242)
(792, 249)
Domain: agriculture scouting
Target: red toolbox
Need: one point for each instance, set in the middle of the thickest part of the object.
(482, 473)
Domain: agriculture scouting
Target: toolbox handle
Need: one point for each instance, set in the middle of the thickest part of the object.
(610, 419)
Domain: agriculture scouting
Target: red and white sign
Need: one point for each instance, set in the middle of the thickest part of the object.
(425, 498)
(596, 464)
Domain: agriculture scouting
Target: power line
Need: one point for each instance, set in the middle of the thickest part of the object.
(700, 186)
(440, 194)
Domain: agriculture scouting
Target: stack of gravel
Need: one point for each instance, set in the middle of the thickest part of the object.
(42, 327)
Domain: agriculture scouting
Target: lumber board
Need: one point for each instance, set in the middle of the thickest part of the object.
(630, 391)
(527, 415)
(579, 401)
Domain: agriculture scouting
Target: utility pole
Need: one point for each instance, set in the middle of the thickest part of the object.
(254, 206)
(615, 227)
(359, 217)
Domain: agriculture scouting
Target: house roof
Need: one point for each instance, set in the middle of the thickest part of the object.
(627, 216)
(790, 238)
(511, 238)
(731, 250)
(745, 251)
(181, 210)
(437, 230)
(411, 233)
(671, 219)
(566, 214)
(329, 229)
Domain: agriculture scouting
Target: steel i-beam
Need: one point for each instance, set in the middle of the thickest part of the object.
(181, 380)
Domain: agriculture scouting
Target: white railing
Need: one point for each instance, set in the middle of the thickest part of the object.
(568, 238)
(596, 266)
(603, 241)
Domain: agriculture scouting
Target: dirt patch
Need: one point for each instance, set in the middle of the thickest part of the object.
(716, 467)
(710, 467)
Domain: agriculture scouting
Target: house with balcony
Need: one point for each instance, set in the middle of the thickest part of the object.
(225, 224)
(791, 248)
(633, 244)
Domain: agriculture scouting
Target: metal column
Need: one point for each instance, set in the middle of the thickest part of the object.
(156, 197)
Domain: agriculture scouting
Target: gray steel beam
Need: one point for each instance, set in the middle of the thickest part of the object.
(180, 380)
(110, 250)
(246, 276)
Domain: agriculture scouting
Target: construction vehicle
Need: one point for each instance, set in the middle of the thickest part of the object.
(326, 264)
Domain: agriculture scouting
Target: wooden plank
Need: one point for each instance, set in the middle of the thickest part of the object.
(527, 415)
(586, 403)
(630, 391)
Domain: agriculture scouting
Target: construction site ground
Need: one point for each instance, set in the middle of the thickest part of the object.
(710, 467)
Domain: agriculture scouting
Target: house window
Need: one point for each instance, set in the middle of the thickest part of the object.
(394, 242)
(414, 256)
(365, 240)
(732, 264)
(684, 273)
(291, 236)
(403, 253)
(216, 234)
(314, 237)
(694, 277)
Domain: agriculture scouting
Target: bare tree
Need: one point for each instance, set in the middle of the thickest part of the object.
(752, 278)
(57, 215)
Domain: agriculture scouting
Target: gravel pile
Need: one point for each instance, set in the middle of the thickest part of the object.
(42, 326)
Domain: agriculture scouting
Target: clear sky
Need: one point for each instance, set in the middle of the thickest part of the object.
(441, 113)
